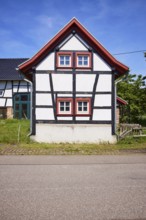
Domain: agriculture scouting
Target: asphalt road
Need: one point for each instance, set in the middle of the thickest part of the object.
(73, 187)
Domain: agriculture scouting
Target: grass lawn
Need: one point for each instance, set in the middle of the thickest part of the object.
(14, 140)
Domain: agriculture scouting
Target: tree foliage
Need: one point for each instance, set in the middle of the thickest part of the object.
(133, 90)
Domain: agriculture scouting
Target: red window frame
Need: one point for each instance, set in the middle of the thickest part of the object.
(66, 99)
(83, 54)
(88, 100)
(64, 54)
(74, 110)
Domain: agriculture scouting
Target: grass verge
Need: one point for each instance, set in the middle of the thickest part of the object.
(14, 141)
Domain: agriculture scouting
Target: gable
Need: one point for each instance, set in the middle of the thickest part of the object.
(72, 44)
(74, 27)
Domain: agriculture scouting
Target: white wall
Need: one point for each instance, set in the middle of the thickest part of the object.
(43, 99)
(8, 93)
(104, 83)
(65, 118)
(82, 118)
(85, 82)
(42, 82)
(9, 103)
(47, 63)
(62, 82)
(99, 64)
(57, 133)
(73, 44)
(102, 114)
(102, 100)
(2, 102)
(44, 114)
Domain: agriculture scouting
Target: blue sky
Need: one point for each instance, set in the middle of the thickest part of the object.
(26, 25)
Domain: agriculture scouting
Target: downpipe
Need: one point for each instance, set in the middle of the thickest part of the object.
(31, 91)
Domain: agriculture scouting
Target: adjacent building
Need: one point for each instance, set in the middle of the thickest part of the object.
(14, 91)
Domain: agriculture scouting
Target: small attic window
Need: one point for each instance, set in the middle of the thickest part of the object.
(83, 60)
(64, 60)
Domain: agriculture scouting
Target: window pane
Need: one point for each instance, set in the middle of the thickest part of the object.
(79, 103)
(16, 97)
(62, 109)
(67, 63)
(67, 58)
(62, 58)
(80, 58)
(16, 114)
(67, 106)
(24, 97)
(61, 62)
(24, 110)
(85, 109)
(61, 106)
(85, 63)
(83, 60)
(64, 106)
(17, 107)
(80, 109)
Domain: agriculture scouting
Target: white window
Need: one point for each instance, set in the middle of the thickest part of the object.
(83, 60)
(83, 106)
(64, 60)
(64, 106)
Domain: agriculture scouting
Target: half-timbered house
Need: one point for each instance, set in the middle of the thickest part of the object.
(14, 91)
(73, 92)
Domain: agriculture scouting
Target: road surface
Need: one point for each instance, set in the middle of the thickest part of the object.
(73, 187)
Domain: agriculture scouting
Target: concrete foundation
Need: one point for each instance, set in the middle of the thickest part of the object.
(73, 133)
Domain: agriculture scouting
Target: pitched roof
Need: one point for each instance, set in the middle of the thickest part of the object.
(8, 68)
(74, 25)
(121, 101)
